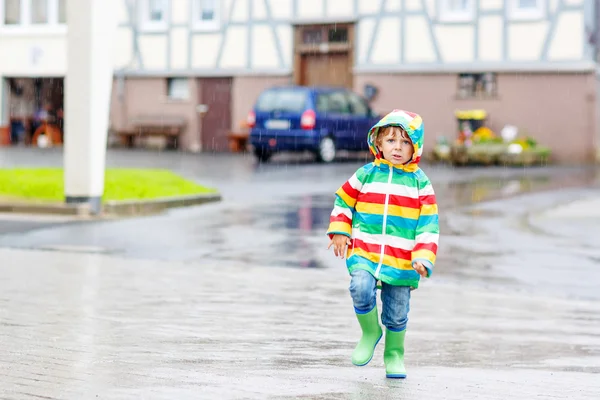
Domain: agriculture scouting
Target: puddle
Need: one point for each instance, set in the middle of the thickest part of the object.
(488, 188)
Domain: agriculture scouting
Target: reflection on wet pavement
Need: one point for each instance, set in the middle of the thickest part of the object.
(180, 305)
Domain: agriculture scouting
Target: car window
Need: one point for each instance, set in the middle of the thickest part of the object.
(282, 100)
(333, 102)
(358, 105)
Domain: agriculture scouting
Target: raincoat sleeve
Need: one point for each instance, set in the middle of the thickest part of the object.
(340, 221)
(428, 228)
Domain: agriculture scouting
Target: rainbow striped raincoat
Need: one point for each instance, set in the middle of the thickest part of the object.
(389, 212)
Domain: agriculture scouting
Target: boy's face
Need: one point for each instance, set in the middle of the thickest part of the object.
(396, 146)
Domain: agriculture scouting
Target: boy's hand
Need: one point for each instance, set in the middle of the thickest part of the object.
(339, 243)
(420, 268)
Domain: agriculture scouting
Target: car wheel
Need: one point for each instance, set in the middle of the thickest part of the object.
(262, 156)
(327, 150)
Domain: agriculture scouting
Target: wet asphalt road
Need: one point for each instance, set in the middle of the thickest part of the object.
(241, 299)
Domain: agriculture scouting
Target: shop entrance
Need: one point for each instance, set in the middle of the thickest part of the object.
(35, 111)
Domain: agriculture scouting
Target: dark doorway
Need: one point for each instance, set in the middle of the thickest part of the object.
(215, 98)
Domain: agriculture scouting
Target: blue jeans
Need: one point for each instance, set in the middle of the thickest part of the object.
(395, 299)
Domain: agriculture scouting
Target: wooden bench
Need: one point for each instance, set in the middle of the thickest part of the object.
(238, 141)
(168, 127)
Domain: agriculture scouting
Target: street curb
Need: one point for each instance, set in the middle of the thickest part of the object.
(155, 206)
(110, 208)
(44, 208)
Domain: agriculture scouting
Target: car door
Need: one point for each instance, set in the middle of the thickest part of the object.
(334, 108)
(360, 121)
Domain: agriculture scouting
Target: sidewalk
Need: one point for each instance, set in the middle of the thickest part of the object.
(544, 244)
(578, 218)
(87, 326)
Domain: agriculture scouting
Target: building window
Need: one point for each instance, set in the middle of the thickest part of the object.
(154, 15)
(22, 13)
(526, 9)
(12, 12)
(62, 11)
(206, 15)
(456, 10)
(338, 35)
(312, 36)
(321, 34)
(39, 11)
(481, 85)
(178, 89)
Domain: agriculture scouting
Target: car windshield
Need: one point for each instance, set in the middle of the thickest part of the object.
(289, 100)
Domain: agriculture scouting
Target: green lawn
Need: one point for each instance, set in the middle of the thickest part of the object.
(46, 184)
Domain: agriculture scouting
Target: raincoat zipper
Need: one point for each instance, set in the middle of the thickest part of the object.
(385, 213)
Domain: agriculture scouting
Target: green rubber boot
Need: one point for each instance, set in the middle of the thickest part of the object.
(393, 355)
(371, 334)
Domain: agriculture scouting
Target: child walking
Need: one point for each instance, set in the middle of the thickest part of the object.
(385, 222)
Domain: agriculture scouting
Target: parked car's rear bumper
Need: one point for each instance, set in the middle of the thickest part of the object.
(285, 140)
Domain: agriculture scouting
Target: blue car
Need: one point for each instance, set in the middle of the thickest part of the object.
(317, 119)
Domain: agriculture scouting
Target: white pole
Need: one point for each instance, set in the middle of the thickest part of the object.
(91, 28)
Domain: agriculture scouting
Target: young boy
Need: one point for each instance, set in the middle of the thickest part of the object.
(386, 214)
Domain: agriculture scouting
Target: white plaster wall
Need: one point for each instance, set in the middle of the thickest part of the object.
(280, 9)
(122, 13)
(33, 55)
(240, 12)
(264, 51)
(154, 51)
(421, 50)
(123, 47)
(286, 40)
(204, 50)
(259, 10)
(568, 38)
(179, 48)
(386, 49)
(455, 42)
(393, 5)
(234, 52)
(491, 38)
(369, 6)
(431, 7)
(339, 9)
(363, 40)
(310, 9)
(413, 5)
(180, 12)
(491, 4)
(526, 40)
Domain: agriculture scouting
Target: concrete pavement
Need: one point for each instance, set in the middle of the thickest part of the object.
(85, 325)
(241, 299)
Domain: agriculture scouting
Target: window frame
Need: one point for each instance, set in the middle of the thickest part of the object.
(145, 24)
(175, 80)
(356, 98)
(199, 25)
(342, 95)
(479, 78)
(26, 25)
(447, 14)
(516, 13)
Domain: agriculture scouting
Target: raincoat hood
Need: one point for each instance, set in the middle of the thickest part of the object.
(413, 125)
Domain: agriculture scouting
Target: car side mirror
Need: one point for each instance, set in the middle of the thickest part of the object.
(369, 92)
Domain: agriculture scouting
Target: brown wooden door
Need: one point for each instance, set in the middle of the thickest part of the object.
(215, 94)
(333, 69)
